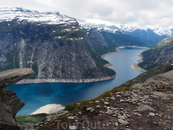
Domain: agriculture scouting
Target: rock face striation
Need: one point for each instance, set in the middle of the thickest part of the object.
(9, 103)
(53, 45)
(162, 53)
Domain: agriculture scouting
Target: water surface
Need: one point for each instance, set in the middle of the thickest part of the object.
(40, 94)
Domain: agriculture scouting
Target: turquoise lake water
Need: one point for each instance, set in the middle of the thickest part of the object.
(38, 95)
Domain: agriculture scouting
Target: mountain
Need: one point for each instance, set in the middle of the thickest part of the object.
(154, 34)
(57, 47)
(162, 53)
(122, 39)
(53, 45)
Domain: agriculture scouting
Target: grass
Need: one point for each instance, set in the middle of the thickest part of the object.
(162, 68)
(79, 106)
(22, 119)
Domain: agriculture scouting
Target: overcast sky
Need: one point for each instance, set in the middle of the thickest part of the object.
(143, 13)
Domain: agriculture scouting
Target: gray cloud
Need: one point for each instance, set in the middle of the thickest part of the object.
(134, 12)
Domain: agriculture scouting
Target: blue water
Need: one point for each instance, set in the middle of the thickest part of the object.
(38, 95)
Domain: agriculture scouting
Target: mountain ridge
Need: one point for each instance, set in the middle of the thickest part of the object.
(161, 53)
(155, 34)
(57, 49)
(60, 51)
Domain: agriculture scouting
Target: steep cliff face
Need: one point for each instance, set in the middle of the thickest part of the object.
(58, 50)
(10, 104)
(162, 53)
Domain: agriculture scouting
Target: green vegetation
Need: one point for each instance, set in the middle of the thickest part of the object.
(2, 93)
(10, 62)
(62, 70)
(110, 72)
(79, 106)
(35, 69)
(22, 119)
(96, 56)
(165, 41)
(160, 69)
(159, 54)
(89, 73)
(29, 48)
(65, 35)
(60, 120)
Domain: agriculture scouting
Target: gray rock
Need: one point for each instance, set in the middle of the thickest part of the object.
(143, 107)
(98, 106)
(10, 104)
(136, 113)
(106, 103)
(72, 127)
(112, 98)
(10, 77)
(97, 101)
(92, 110)
(123, 122)
(109, 112)
(71, 117)
(121, 117)
(151, 114)
(89, 108)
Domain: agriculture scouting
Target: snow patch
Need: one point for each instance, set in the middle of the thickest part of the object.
(8, 14)
(49, 109)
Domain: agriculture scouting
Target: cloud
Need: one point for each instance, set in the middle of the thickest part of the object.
(133, 12)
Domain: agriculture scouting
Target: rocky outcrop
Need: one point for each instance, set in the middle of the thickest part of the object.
(143, 106)
(162, 53)
(10, 104)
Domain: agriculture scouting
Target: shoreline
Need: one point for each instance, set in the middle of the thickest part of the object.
(110, 53)
(26, 81)
(135, 65)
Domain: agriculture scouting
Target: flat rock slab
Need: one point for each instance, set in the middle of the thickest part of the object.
(10, 77)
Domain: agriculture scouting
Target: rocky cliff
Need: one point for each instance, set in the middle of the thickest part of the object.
(53, 45)
(162, 53)
(141, 106)
(10, 104)
(56, 47)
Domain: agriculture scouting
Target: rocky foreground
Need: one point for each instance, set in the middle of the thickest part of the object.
(144, 106)
(10, 104)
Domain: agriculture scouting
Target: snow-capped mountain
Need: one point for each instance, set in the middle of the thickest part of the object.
(144, 33)
(8, 14)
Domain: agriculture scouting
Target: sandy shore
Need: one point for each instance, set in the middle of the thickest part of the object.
(109, 53)
(135, 65)
(108, 65)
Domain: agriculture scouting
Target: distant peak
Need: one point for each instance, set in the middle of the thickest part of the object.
(10, 13)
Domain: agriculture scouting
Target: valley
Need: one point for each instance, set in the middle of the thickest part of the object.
(119, 75)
